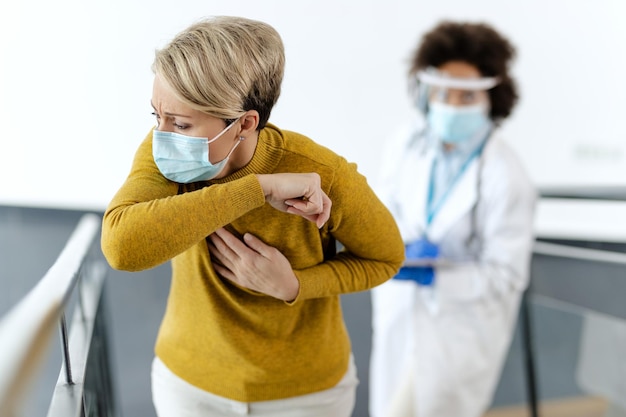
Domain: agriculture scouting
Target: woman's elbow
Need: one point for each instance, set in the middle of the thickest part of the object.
(117, 257)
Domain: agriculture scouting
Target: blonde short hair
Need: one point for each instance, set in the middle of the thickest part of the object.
(225, 66)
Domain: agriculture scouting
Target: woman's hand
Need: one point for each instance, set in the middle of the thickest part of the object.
(299, 194)
(253, 264)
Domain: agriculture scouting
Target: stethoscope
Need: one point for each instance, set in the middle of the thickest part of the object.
(421, 137)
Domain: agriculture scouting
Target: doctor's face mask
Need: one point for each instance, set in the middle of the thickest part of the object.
(455, 124)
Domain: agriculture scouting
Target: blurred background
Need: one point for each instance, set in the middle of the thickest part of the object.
(75, 86)
(76, 83)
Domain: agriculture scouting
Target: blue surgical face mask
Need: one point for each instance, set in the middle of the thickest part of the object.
(456, 124)
(185, 159)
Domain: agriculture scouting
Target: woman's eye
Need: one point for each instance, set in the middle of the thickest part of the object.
(180, 127)
(158, 119)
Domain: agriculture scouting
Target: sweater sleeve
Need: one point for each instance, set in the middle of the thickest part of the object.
(373, 248)
(148, 222)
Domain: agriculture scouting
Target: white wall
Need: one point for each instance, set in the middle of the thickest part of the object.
(75, 83)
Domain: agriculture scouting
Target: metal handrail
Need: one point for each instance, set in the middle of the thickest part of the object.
(26, 330)
(573, 252)
(614, 193)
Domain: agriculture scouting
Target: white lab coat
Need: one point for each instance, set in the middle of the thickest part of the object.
(454, 336)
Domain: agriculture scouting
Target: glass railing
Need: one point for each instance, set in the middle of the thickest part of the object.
(72, 286)
(576, 333)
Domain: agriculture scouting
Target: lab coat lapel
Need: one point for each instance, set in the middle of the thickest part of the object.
(415, 190)
(460, 200)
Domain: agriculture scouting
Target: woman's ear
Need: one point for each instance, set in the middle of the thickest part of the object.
(249, 122)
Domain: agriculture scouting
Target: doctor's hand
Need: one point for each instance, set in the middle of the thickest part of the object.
(299, 194)
(421, 249)
(423, 275)
(253, 264)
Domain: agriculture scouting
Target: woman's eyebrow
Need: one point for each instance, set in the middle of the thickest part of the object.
(171, 114)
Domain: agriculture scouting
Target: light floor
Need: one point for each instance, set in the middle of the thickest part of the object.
(569, 407)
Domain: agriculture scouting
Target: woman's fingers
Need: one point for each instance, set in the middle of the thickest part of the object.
(318, 213)
(225, 247)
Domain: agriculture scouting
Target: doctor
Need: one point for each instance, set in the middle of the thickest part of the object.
(464, 205)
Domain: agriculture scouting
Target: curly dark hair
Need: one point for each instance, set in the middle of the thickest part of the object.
(477, 44)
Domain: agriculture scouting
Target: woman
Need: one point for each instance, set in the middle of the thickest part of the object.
(253, 323)
(464, 205)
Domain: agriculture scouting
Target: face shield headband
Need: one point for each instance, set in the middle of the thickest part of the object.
(432, 77)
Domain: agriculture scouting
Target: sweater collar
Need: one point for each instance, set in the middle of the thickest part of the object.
(267, 155)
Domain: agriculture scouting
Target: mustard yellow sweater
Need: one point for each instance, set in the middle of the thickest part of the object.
(226, 339)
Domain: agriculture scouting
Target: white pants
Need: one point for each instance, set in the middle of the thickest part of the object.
(174, 397)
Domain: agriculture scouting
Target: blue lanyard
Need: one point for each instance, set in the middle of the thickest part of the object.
(432, 211)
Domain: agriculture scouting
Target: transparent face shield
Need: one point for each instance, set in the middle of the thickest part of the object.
(431, 85)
